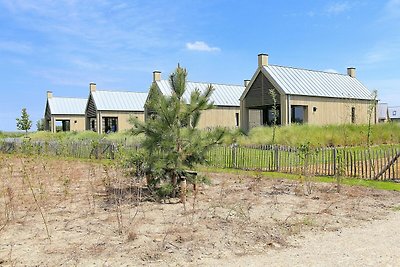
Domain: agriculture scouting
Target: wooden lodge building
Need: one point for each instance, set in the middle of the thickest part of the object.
(303, 96)
(64, 113)
(109, 111)
(225, 98)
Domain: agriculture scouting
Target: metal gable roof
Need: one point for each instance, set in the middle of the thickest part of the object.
(223, 95)
(294, 81)
(67, 106)
(119, 101)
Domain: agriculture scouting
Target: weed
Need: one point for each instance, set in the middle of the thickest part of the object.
(396, 208)
(305, 152)
(27, 179)
(132, 236)
(308, 221)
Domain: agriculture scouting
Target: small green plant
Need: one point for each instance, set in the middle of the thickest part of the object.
(308, 221)
(340, 168)
(24, 123)
(274, 113)
(304, 153)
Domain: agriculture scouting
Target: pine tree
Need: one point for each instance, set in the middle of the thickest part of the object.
(24, 123)
(173, 144)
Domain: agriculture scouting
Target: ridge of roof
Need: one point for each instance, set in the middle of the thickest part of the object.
(226, 84)
(67, 97)
(119, 91)
(297, 68)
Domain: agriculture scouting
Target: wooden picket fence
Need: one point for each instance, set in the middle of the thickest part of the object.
(372, 163)
(367, 163)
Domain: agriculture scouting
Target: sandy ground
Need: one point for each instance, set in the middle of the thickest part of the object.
(96, 216)
(375, 243)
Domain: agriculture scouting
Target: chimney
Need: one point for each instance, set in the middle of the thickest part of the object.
(262, 60)
(49, 94)
(351, 72)
(92, 87)
(246, 82)
(156, 76)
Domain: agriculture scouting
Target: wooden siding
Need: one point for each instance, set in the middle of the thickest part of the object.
(333, 110)
(47, 114)
(259, 94)
(219, 117)
(91, 108)
(77, 122)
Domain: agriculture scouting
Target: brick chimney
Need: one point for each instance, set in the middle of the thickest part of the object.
(92, 87)
(262, 60)
(156, 76)
(49, 94)
(351, 72)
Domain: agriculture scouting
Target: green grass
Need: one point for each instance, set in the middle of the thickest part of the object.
(382, 185)
(11, 134)
(293, 135)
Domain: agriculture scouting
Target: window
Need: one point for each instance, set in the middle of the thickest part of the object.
(92, 124)
(269, 116)
(298, 114)
(63, 126)
(394, 112)
(110, 124)
(237, 119)
(353, 115)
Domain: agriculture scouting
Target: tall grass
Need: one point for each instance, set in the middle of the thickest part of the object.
(121, 137)
(322, 136)
(294, 135)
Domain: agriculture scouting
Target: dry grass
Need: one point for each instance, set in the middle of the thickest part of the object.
(97, 216)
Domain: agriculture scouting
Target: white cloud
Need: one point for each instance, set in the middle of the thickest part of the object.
(331, 70)
(337, 8)
(383, 52)
(392, 9)
(15, 47)
(201, 46)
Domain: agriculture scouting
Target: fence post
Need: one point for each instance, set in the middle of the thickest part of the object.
(234, 155)
(334, 161)
(276, 158)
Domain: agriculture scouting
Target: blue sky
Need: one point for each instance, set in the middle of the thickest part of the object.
(63, 45)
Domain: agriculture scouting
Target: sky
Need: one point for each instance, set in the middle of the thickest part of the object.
(64, 45)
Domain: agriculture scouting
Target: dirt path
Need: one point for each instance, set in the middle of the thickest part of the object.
(375, 243)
